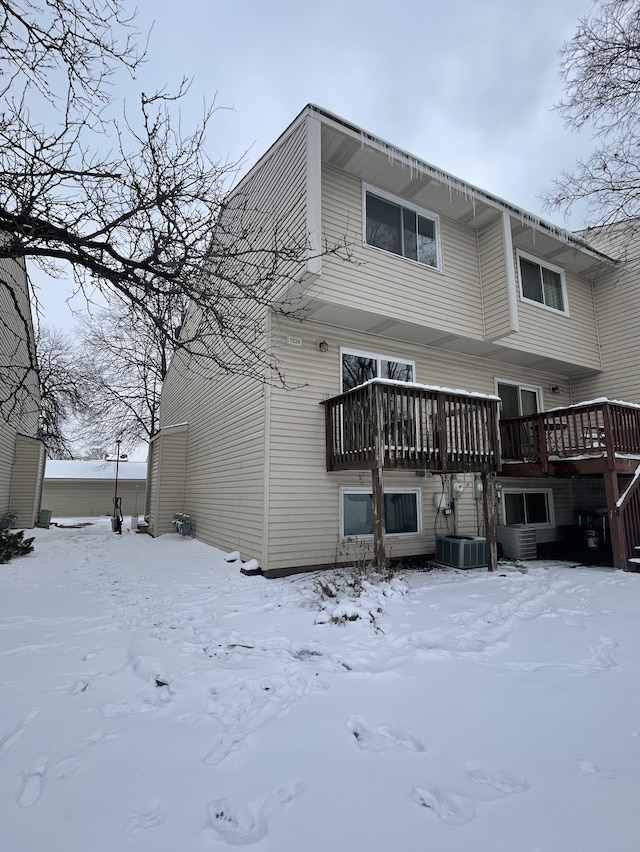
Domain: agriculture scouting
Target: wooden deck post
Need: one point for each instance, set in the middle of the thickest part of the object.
(489, 515)
(377, 479)
(616, 528)
(379, 525)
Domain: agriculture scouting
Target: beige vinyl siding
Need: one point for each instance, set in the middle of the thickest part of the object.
(392, 286)
(225, 471)
(497, 280)
(572, 339)
(225, 463)
(224, 491)
(21, 462)
(16, 351)
(618, 310)
(169, 487)
(26, 480)
(72, 498)
(265, 218)
(172, 479)
(153, 470)
(7, 450)
(304, 506)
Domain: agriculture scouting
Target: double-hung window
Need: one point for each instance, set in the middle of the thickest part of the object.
(400, 229)
(531, 507)
(542, 283)
(402, 512)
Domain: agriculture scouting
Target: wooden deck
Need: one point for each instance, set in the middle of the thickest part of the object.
(591, 438)
(398, 425)
(595, 437)
(387, 425)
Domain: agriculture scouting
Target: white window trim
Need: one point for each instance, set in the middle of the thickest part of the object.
(348, 490)
(563, 283)
(537, 389)
(376, 356)
(401, 202)
(548, 491)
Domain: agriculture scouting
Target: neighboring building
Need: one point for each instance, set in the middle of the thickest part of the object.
(445, 287)
(22, 455)
(75, 489)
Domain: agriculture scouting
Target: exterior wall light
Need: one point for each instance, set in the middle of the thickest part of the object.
(323, 346)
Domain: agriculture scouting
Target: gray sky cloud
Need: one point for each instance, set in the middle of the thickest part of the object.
(467, 86)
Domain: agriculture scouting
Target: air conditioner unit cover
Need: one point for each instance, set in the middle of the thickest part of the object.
(518, 541)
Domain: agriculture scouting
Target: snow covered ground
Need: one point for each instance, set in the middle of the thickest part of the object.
(153, 698)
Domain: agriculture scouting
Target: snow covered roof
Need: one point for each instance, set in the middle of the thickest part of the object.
(99, 469)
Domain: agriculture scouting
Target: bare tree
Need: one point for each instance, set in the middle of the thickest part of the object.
(126, 358)
(600, 66)
(62, 390)
(128, 202)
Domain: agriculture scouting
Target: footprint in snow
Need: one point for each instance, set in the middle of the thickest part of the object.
(381, 738)
(14, 735)
(65, 768)
(31, 784)
(241, 825)
(100, 737)
(446, 806)
(223, 746)
(503, 781)
(400, 737)
(150, 817)
(585, 767)
(190, 718)
(93, 653)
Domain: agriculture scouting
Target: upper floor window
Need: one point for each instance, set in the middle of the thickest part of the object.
(361, 367)
(405, 231)
(542, 283)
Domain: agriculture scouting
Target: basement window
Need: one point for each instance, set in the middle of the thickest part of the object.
(402, 513)
(533, 507)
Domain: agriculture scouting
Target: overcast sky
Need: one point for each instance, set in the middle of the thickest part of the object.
(467, 86)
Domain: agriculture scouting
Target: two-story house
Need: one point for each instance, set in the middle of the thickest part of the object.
(452, 309)
(22, 454)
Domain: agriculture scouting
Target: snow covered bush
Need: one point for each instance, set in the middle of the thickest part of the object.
(356, 590)
(13, 544)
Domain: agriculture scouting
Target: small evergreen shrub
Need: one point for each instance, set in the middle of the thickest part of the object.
(14, 544)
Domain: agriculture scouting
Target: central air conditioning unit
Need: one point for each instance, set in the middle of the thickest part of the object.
(461, 551)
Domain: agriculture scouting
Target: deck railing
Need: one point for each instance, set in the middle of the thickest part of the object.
(400, 425)
(592, 429)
